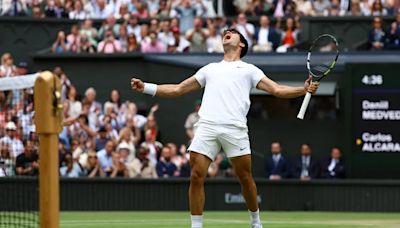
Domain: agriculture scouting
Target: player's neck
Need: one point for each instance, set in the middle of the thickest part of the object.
(231, 57)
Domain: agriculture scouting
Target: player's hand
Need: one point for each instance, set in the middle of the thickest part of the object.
(137, 85)
(310, 86)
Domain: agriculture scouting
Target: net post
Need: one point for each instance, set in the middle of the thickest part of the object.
(48, 121)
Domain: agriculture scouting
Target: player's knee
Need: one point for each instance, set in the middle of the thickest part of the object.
(245, 178)
(197, 177)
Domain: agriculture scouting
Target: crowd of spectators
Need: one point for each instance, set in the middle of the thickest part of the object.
(145, 9)
(383, 37)
(305, 166)
(174, 36)
(186, 26)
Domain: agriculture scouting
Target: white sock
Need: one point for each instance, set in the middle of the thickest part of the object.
(197, 221)
(255, 217)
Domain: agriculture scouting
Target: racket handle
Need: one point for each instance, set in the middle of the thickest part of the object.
(304, 106)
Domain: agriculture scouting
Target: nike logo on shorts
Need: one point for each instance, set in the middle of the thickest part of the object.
(241, 149)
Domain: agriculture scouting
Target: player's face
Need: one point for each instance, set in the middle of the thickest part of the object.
(231, 37)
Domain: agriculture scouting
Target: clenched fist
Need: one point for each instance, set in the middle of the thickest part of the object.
(137, 85)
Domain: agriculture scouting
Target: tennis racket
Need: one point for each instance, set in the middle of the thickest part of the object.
(321, 59)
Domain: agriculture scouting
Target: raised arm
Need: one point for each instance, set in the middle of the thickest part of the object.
(283, 91)
(166, 90)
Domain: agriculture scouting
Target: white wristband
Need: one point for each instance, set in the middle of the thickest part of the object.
(150, 89)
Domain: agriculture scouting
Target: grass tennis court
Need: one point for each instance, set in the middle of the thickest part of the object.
(228, 219)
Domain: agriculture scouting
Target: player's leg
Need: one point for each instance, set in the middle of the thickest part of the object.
(203, 150)
(242, 167)
(199, 164)
(235, 142)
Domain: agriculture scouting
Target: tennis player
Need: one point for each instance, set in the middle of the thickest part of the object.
(223, 122)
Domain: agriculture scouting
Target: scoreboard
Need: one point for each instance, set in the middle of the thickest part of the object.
(375, 108)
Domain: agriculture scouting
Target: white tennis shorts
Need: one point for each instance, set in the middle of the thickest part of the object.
(209, 139)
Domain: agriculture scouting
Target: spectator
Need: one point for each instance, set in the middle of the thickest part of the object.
(74, 39)
(86, 46)
(109, 45)
(365, 7)
(102, 139)
(78, 13)
(246, 29)
(355, 9)
(277, 167)
(27, 163)
(142, 11)
(306, 167)
(164, 9)
(214, 40)
(16, 146)
(61, 43)
(321, 7)
(6, 162)
(109, 24)
(144, 33)
(54, 8)
(280, 8)
(7, 67)
(71, 167)
(132, 44)
(334, 9)
(166, 35)
(266, 38)
(377, 9)
(262, 7)
(123, 37)
(304, 8)
(134, 27)
(114, 6)
(132, 6)
(392, 41)
(119, 168)
(123, 13)
(89, 31)
(37, 12)
(290, 36)
(141, 167)
(128, 139)
(124, 150)
(165, 168)
(376, 35)
(101, 11)
(192, 119)
(154, 26)
(132, 112)
(197, 36)
(186, 14)
(153, 146)
(106, 157)
(13, 8)
(22, 68)
(153, 45)
(153, 6)
(75, 106)
(333, 168)
(178, 43)
(93, 168)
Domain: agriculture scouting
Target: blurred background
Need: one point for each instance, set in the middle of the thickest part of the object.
(123, 144)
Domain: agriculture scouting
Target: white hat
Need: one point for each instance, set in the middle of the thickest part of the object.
(123, 145)
(11, 126)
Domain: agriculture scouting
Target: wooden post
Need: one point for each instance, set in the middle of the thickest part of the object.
(48, 119)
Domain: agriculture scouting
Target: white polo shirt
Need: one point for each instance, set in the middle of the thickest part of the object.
(226, 98)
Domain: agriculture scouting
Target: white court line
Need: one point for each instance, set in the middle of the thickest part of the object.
(366, 223)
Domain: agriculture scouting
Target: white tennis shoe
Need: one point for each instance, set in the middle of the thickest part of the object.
(256, 226)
